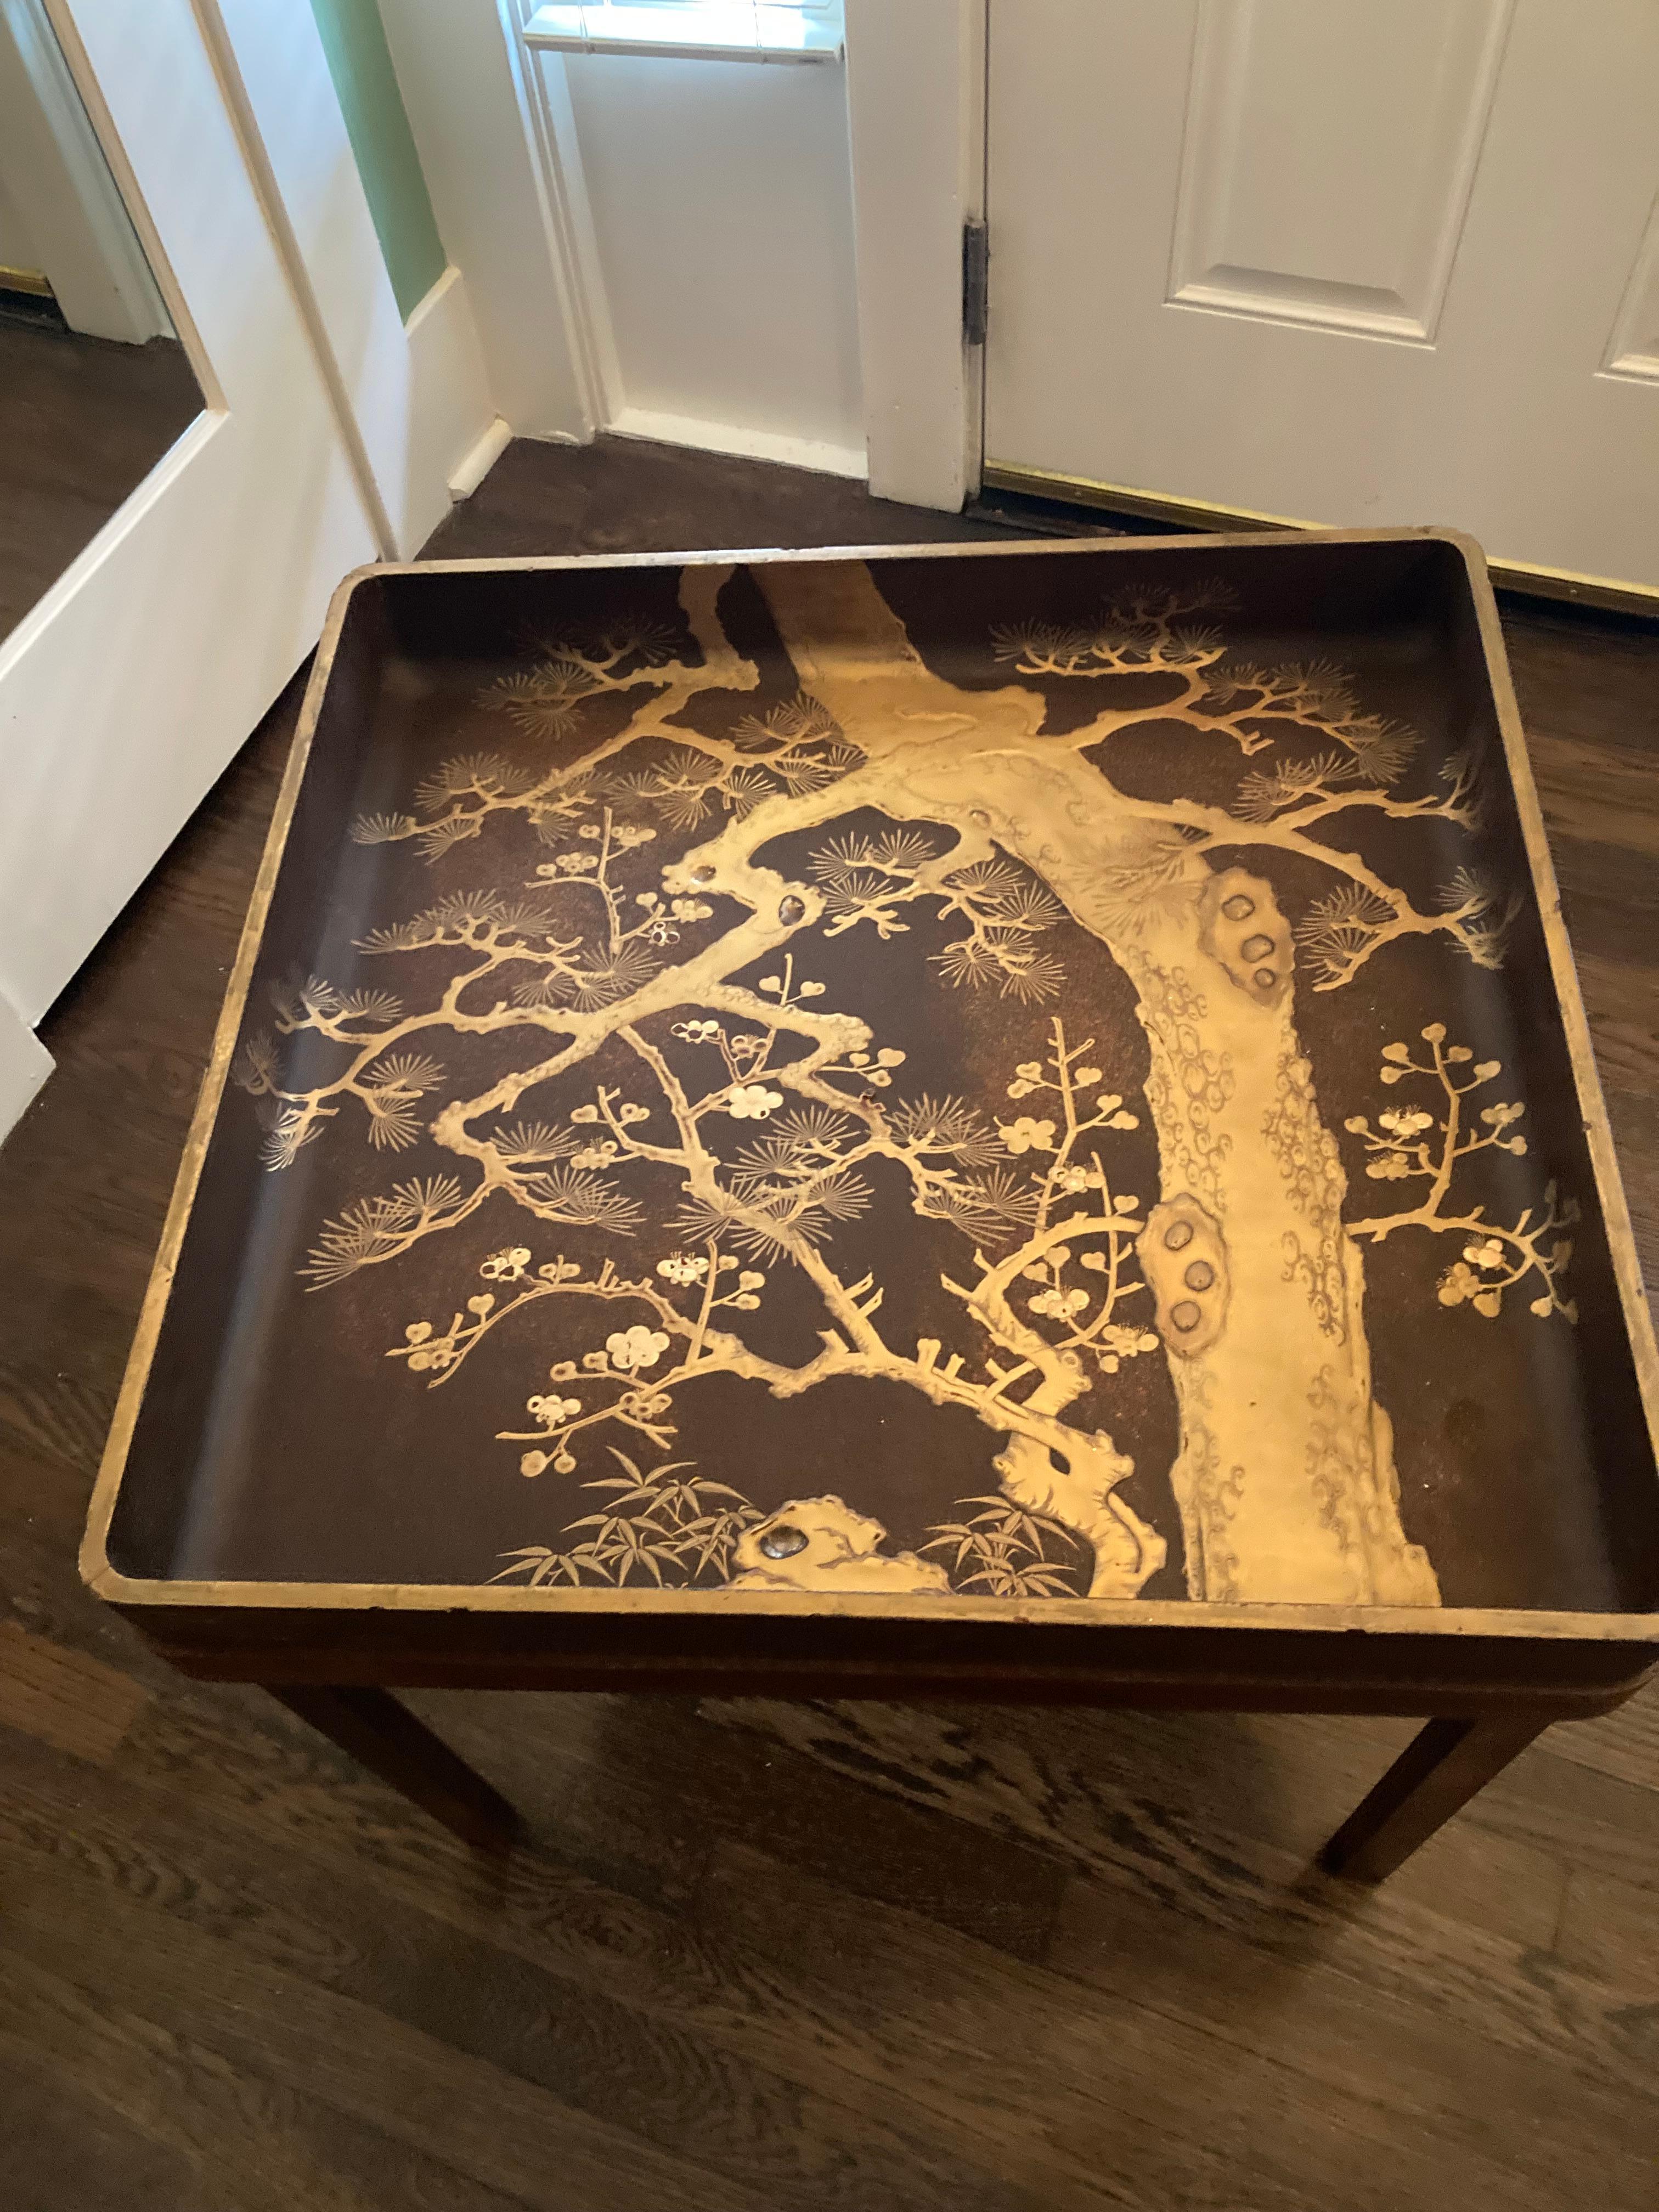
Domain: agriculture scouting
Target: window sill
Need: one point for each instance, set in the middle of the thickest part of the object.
(712, 34)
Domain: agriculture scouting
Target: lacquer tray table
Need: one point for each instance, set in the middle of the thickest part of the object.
(1001, 1121)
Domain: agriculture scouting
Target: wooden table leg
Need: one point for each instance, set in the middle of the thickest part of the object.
(386, 1738)
(1437, 1774)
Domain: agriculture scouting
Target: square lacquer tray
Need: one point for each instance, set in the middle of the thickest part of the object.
(1020, 1112)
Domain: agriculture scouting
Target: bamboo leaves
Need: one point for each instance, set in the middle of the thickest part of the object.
(651, 1521)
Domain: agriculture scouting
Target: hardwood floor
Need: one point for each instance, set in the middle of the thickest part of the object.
(83, 422)
(755, 1957)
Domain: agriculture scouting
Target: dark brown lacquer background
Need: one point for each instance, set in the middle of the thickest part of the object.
(283, 1436)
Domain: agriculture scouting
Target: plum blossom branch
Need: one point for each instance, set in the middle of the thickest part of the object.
(1417, 1145)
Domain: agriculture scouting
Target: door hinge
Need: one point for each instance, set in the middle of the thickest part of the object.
(976, 282)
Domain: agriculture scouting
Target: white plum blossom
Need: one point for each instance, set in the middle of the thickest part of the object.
(682, 1267)
(1026, 1135)
(635, 1347)
(427, 1354)
(554, 1410)
(1389, 1167)
(752, 1102)
(506, 1267)
(1402, 1125)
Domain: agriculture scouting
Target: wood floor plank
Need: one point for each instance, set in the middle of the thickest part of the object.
(762, 2141)
(1478, 2098)
(1625, 1745)
(1054, 1782)
(1593, 792)
(621, 1758)
(1626, 1045)
(251, 2136)
(1050, 2077)
(1610, 1928)
(534, 1909)
(250, 2140)
(1584, 676)
(1284, 1781)
(1559, 1803)
(71, 1702)
(1316, 2108)
(60, 2146)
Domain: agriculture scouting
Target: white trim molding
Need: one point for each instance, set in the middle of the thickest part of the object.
(469, 471)
(452, 409)
(25, 1064)
(916, 101)
(734, 438)
(414, 400)
(502, 207)
(551, 119)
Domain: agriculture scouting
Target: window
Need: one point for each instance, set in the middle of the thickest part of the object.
(716, 30)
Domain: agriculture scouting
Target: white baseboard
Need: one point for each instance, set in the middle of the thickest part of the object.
(732, 438)
(452, 414)
(25, 1064)
(473, 467)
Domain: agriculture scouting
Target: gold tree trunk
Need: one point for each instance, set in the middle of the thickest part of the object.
(1285, 1479)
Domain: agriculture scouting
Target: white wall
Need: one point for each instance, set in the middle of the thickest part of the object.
(17, 247)
(721, 203)
(459, 70)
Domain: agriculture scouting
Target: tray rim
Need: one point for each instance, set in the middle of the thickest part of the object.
(1544, 1625)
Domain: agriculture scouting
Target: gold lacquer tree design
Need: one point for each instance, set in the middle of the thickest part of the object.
(770, 1106)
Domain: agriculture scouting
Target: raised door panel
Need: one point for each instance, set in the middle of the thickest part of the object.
(1634, 349)
(1328, 152)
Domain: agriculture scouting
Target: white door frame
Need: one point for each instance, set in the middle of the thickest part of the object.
(498, 141)
(60, 184)
(915, 78)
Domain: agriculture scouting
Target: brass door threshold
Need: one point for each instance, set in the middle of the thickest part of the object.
(33, 281)
(1522, 576)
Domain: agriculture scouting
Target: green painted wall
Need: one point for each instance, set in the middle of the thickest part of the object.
(360, 62)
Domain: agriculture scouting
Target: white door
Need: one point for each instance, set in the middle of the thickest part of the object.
(1336, 261)
(129, 684)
